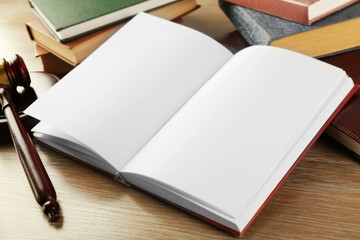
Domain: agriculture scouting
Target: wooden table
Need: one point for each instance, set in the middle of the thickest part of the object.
(320, 199)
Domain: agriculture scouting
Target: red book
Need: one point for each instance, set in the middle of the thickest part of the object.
(301, 11)
(345, 128)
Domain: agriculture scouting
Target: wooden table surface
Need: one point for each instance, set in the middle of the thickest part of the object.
(320, 199)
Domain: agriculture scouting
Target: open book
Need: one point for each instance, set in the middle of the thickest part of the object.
(169, 110)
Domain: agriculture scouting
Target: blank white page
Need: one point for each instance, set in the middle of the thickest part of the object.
(123, 93)
(233, 142)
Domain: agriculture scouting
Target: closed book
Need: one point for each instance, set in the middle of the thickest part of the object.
(51, 63)
(345, 128)
(187, 121)
(336, 33)
(300, 11)
(76, 50)
(68, 19)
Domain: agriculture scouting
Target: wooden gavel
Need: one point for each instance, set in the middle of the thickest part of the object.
(12, 75)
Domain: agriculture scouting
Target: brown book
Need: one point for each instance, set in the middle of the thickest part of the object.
(51, 63)
(77, 50)
(345, 128)
(301, 11)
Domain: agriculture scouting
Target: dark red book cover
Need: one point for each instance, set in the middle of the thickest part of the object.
(345, 128)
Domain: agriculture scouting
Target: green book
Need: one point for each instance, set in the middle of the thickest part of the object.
(69, 19)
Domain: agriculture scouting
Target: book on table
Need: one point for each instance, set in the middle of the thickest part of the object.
(76, 50)
(187, 121)
(300, 11)
(345, 128)
(68, 19)
(331, 35)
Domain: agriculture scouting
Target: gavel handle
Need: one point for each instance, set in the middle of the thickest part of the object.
(37, 176)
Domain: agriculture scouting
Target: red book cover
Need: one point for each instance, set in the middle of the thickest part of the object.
(301, 11)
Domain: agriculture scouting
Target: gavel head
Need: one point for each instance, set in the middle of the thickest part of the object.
(14, 73)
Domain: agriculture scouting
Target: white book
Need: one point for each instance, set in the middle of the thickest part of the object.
(169, 110)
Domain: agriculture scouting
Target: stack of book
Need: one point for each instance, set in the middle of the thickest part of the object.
(66, 32)
(334, 38)
(315, 28)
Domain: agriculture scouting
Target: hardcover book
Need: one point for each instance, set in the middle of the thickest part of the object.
(76, 50)
(345, 128)
(51, 63)
(331, 35)
(185, 120)
(68, 19)
(300, 11)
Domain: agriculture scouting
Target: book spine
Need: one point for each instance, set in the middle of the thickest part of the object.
(254, 33)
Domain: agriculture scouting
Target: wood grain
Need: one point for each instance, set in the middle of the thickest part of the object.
(320, 199)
